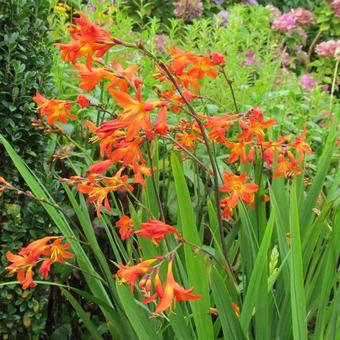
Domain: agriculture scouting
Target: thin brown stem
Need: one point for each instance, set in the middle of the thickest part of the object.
(230, 84)
(311, 47)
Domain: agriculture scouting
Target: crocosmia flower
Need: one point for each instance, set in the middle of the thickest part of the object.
(89, 41)
(170, 292)
(40, 251)
(55, 110)
(125, 225)
(156, 230)
(238, 190)
(83, 101)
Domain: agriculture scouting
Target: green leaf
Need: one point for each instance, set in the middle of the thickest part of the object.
(195, 264)
(230, 323)
(298, 299)
(137, 316)
(82, 314)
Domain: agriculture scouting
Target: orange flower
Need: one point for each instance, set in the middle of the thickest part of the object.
(254, 126)
(155, 230)
(125, 78)
(160, 126)
(128, 152)
(38, 247)
(57, 254)
(140, 171)
(89, 41)
(187, 140)
(98, 193)
(130, 274)
(218, 126)
(301, 146)
(136, 112)
(108, 134)
(100, 167)
(171, 291)
(35, 252)
(22, 265)
(125, 225)
(54, 110)
(238, 150)
(238, 189)
(90, 78)
(286, 167)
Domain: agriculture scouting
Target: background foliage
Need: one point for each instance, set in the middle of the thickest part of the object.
(25, 65)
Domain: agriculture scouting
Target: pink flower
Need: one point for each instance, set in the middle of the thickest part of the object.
(308, 82)
(327, 48)
(250, 60)
(336, 7)
(285, 23)
(303, 16)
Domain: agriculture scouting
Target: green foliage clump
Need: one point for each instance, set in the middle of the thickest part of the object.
(25, 64)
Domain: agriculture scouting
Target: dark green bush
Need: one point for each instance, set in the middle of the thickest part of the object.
(25, 61)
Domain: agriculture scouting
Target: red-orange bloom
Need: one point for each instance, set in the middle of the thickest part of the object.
(128, 152)
(108, 134)
(38, 247)
(22, 265)
(98, 194)
(130, 274)
(238, 189)
(218, 126)
(90, 78)
(136, 112)
(100, 167)
(58, 253)
(89, 41)
(239, 150)
(55, 110)
(125, 225)
(301, 146)
(156, 230)
(171, 291)
(254, 126)
(287, 167)
(35, 252)
(83, 101)
(161, 126)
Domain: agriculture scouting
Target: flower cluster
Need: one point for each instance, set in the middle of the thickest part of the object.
(150, 284)
(45, 252)
(308, 82)
(153, 229)
(293, 21)
(335, 5)
(328, 48)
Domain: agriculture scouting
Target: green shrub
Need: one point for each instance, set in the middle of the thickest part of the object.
(25, 64)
